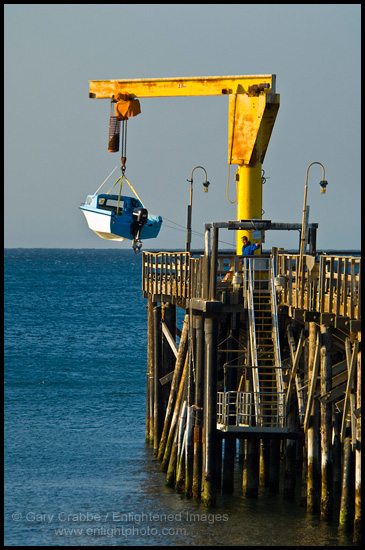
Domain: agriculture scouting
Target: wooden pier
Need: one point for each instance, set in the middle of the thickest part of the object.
(268, 365)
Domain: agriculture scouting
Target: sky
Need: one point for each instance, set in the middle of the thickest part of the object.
(56, 137)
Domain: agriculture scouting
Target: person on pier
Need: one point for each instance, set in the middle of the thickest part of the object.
(248, 248)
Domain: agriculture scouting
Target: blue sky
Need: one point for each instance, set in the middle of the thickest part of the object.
(56, 138)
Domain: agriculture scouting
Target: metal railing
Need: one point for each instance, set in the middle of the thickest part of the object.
(275, 329)
(251, 318)
(251, 409)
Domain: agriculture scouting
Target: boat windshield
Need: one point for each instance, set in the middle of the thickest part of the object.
(111, 204)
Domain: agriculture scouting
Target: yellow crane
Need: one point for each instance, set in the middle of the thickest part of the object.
(253, 106)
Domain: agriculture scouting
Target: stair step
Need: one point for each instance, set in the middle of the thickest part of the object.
(263, 317)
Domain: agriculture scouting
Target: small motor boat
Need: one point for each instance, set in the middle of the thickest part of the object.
(119, 217)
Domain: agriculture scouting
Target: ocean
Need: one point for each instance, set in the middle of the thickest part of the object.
(77, 469)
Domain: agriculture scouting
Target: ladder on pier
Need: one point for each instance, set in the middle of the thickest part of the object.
(267, 377)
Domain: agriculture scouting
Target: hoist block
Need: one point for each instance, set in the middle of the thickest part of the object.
(126, 106)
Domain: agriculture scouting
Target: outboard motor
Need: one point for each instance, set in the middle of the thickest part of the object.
(140, 217)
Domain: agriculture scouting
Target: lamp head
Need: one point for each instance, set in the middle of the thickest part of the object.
(323, 185)
(206, 185)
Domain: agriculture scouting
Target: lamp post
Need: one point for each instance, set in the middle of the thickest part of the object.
(190, 205)
(303, 238)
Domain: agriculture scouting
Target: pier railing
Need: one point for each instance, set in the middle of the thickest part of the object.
(326, 284)
(169, 275)
(330, 285)
(340, 286)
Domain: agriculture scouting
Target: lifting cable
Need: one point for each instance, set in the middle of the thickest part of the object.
(123, 176)
(124, 145)
(98, 189)
(130, 185)
(114, 184)
(120, 192)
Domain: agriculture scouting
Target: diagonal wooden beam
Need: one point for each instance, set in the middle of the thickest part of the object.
(169, 338)
(351, 364)
(295, 361)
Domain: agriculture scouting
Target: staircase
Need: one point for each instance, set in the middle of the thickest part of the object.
(264, 342)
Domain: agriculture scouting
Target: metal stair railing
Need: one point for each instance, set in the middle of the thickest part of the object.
(237, 409)
(276, 341)
(259, 277)
(252, 331)
(248, 266)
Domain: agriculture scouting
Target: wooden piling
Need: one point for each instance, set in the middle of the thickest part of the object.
(181, 441)
(174, 421)
(189, 452)
(346, 515)
(210, 411)
(198, 401)
(228, 465)
(274, 468)
(171, 466)
(149, 389)
(292, 423)
(290, 453)
(180, 361)
(172, 455)
(337, 453)
(252, 468)
(326, 425)
(171, 460)
(157, 373)
(303, 493)
(264, 474)
(219, 462)
(313, 472)
(197, 461)
(357, 518)
(290, 469)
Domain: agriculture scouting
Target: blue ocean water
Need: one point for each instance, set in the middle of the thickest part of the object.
(77, 469)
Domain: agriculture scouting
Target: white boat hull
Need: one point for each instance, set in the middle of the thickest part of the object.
(100, 224)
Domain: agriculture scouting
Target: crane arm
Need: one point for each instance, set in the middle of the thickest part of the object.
(253, 105)
(178, 87)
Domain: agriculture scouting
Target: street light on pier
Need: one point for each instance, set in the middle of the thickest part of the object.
(190, 205)
(303, 238)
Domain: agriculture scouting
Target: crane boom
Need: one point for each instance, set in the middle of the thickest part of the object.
(176, 87)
